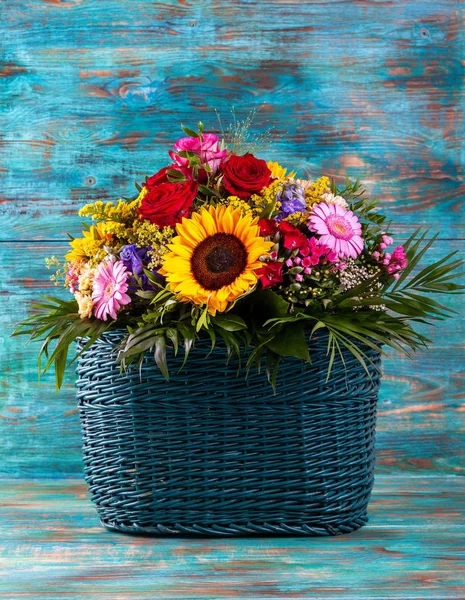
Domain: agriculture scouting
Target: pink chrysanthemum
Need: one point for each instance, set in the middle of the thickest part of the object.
(339, 229)
(109, 289)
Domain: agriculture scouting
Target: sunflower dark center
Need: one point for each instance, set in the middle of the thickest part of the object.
(218, 260)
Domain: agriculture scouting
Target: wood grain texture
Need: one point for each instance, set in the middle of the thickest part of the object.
(92, 94)
(51, 546)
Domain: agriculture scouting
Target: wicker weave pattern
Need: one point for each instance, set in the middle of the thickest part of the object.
(211, 454)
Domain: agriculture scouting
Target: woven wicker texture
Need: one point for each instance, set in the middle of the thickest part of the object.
(212, 454)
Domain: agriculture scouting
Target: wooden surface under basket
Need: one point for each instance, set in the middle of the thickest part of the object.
(210, 453)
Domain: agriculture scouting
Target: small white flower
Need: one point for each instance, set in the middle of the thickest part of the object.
(306, 184)
(85, 304)
(330, 198)
(353, 275)
(86, 277)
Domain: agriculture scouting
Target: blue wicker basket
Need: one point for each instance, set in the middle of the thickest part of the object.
(211, 454)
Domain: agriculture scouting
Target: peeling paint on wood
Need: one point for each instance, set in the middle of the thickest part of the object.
(367, 89)
(91, 96)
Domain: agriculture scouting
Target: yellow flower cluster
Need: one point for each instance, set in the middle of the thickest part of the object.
(266, 196)
(60, 273)
(52, 262)
(121, 212)
(236, 202)
(297, 218)
(90, 246)
(115, 219)
(146, 234)
(279, 172)
(315, 190)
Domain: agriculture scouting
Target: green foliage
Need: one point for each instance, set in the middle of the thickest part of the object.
(57, 324)
(265, 325)
(262, 324)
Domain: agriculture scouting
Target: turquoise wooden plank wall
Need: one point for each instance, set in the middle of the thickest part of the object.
(91, 94)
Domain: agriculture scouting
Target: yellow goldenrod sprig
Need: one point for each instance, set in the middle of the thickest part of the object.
(315, 190)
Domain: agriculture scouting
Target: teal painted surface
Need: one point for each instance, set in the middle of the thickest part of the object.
(91, 94)
(51, 546)
(96, 88)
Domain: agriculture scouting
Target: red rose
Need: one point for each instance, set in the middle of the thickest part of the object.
(268, 227)
(271, 274)
(245, 175)
(293, 237)
(160, 177)
(166, 204)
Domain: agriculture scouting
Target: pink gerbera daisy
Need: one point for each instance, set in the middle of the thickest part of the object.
(109, 289)
(339, 229)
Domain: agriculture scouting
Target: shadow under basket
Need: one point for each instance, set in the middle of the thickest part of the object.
(210, 453)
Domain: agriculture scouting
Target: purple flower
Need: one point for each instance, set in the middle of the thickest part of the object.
(292, 198)
(133, 259)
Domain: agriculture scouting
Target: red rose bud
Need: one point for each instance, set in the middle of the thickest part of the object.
(166, 204)
(295, 240)
(268, 227)
(286, 227)
(271, 274)
(293, 237)
(245, 175)
(158, 178)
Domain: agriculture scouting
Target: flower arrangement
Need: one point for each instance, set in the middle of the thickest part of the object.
(233, 247)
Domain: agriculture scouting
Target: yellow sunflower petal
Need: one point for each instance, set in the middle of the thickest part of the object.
(192, 232)
(181, 249)
(176, 264)
(208, 222)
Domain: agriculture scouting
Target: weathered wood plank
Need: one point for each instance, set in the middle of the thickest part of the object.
(52, 546)
(91, 94)
(367, 89)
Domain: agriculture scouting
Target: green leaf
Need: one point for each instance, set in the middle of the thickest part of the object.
(229, 322)
(232, 344)
(189, 132)
(207, 191)
(268, 210)
(270, 304)
(173, 335)
(146, 294)
(188, 333)
(175, 176)
(290, 341)
(203, 320)
(272, 366)
(212, 335)
(160, 355)
(60, 365)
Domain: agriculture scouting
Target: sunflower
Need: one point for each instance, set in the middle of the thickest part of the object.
(215, 257)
